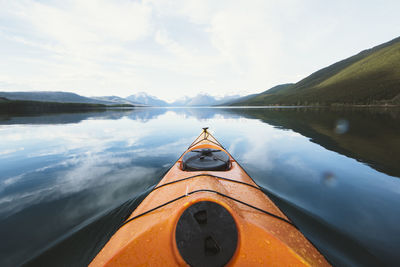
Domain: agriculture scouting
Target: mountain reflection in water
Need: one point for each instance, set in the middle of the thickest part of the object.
(369, 135)
(65, 177)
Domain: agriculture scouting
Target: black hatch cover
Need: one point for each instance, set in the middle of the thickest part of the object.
(205, 160)
(206, 235)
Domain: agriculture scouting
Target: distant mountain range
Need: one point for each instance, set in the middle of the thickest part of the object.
(204, 100)
(64, 97)
(370, 77)
(147, 100)
(116, 99)
(138, 99)
(61, 97)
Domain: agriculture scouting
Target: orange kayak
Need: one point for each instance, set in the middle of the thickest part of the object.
(207, 211)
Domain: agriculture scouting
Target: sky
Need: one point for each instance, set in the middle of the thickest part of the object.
(172, 48)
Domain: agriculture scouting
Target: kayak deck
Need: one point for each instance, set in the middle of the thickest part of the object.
(265, 236)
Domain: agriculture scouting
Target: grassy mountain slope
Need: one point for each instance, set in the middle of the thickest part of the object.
(263, 98)
(370, 77)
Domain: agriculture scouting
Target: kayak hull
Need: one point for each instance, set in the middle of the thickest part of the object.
(150, 240)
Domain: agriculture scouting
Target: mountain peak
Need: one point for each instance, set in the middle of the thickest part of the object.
(146, 99)
(203, 99)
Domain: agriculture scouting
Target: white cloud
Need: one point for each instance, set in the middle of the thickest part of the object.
(169, 47)
(82, 25)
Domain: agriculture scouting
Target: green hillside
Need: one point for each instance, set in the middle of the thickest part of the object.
(370, 77)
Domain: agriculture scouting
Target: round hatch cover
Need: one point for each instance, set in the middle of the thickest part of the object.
(206, 235)
(205, 160)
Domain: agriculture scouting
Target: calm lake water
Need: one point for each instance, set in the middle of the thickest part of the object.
(68, 180)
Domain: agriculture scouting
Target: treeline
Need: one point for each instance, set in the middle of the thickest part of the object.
(21, 106)
(348, 97)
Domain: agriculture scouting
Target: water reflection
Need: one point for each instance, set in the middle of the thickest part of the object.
(60, 171)
(60, 176)
(367, 135)
(138, 114)
(60, 118)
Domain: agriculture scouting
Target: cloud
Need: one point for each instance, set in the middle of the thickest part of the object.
(72, 42)
(169, 47)
(79, 26)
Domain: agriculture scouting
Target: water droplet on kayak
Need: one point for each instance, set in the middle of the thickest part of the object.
(328, 179)
(342, 126)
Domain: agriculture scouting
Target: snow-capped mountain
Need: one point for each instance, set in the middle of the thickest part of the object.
(147, 99)
(138, 99)
(203, 100)
(116, 99)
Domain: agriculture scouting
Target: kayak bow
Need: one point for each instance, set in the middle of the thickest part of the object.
(207, 211)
